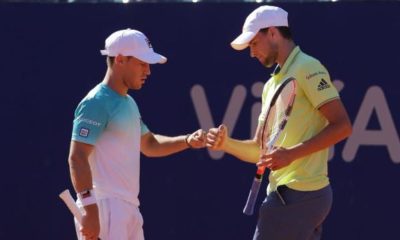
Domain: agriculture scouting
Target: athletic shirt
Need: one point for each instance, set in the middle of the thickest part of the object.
(112, 124)
(314, 89)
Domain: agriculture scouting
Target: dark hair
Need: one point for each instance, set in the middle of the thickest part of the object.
(264, 30)
(110, 61)
(284, 31)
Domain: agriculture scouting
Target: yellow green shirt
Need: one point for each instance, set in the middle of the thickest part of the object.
(314, 88)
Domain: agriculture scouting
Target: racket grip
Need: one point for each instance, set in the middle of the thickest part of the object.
(252, 198)
(70, 202)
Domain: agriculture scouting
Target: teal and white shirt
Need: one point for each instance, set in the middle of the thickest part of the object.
(112, 124)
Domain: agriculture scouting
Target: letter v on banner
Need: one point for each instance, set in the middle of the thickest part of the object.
(231, 115)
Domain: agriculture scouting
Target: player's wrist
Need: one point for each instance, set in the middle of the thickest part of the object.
(92, 210)
(293, 154)
(87, 197)
(225, 143)
(187, 141)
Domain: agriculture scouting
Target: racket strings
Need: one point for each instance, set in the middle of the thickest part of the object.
(278, 116)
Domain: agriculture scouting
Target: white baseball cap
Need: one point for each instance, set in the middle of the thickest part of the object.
(130, 42)
(263, 17)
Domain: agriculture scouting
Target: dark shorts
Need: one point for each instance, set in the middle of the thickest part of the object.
(287, 214)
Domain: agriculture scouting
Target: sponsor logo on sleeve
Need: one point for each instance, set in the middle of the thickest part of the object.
(89, 121)
(84, 132)
(311, 75)
(323, 85)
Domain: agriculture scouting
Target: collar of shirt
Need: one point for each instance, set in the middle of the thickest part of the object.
(280, 71)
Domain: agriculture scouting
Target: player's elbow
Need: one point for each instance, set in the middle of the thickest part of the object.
(148, 153)
(151, 151)
(76, 160)
(79, 153)
(148, 145)
(347, 129)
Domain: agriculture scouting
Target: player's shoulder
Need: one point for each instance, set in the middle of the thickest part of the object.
(99, 98)
(306, 61)
(97, 95)
(308, 67)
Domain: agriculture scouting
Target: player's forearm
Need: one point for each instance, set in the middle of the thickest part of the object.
(82, 180)
(330, 135)
(163, 145)
(245, 150)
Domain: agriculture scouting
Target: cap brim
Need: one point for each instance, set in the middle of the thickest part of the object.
(242, 41)
(104, 52)
(151, 58)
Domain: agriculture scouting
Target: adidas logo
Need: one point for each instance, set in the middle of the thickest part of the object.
(323, 85)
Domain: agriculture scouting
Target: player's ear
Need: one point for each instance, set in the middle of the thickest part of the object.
(119, 59)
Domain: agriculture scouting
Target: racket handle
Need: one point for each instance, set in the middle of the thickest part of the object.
(70, 202)
(252, 198)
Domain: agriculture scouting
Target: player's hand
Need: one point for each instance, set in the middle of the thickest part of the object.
(278, 158)
(90, 227)
(216, 137)
(197, 139)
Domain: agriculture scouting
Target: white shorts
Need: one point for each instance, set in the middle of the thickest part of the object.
(119, 220)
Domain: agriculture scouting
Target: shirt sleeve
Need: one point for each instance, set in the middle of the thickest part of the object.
(143, 128)
(316, 83)
(91, 117)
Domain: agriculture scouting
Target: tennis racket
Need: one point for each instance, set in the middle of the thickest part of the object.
(70, 202)
(275, 120)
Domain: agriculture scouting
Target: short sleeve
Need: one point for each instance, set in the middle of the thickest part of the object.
(143, 128)
(316, 83)
(91, 117)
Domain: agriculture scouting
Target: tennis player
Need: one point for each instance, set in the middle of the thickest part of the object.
(299, 196)
(107, 138)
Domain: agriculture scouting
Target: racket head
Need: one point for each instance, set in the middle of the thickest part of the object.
(278, 113)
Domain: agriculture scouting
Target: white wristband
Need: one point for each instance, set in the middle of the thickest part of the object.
(87, 197)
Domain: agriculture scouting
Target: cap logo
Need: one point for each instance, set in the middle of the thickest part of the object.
(148, 43)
